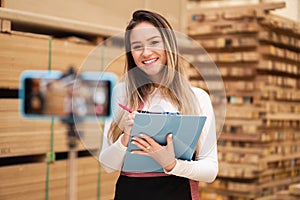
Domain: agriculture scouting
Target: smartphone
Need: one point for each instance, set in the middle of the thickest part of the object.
(53, 94)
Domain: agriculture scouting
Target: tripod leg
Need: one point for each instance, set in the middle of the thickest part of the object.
(72, 176)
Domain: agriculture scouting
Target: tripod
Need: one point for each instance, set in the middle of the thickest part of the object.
(73, 137)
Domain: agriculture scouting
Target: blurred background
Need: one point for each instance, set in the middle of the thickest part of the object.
(254, 43)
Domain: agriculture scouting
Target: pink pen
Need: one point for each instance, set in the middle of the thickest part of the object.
(125, 108)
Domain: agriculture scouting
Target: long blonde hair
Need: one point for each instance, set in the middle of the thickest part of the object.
(173, 85)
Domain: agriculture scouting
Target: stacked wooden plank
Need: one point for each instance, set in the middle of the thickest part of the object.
(257, 56)
(25, 144)
(292, 193)
(28, 181)
(64, 53)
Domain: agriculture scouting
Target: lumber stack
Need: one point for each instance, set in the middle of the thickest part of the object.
(257, 54)
(28, 146)
(292, 193)
(23, 51)
(28, 180)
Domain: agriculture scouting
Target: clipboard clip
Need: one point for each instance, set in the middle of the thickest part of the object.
(161, 113)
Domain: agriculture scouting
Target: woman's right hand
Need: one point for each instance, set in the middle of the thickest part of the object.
(127, 126)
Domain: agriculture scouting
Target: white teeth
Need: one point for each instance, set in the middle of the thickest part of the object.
(149, 61)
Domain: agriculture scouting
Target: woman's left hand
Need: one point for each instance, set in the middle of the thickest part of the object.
(164, 155)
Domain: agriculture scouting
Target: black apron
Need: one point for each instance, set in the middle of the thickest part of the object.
(152, 188)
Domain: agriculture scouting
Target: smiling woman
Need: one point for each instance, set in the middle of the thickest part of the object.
(155, 82)
(148, 50)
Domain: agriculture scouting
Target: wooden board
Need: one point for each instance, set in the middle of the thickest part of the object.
(28, 181)
(31, 52)
(112, 16)
(230, 12)
(19, 136)
(285, 195)
(5, 26)
(22, 51)
(34, 22)
(294, 189)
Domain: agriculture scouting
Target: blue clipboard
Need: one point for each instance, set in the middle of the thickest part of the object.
(186, 130)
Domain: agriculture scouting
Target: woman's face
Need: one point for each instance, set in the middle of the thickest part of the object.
(147, 49)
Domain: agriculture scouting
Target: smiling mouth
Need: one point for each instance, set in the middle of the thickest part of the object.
(148, 62)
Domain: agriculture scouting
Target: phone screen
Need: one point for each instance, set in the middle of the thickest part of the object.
(62, 97)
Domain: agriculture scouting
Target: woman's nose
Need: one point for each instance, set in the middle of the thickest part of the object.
(147, 51)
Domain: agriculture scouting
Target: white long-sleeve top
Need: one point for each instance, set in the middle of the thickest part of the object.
(203, 168)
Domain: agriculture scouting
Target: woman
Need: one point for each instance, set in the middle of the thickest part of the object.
(154, 82)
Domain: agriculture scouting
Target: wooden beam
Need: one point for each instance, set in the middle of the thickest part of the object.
(294, 189)
(258, 8)
(40, 21)
(262, 6)
(5, 26)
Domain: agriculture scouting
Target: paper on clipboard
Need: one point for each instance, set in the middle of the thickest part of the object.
(186, 130)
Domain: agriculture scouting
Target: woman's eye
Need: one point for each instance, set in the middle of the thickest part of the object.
(155, 42)
(136, 47)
